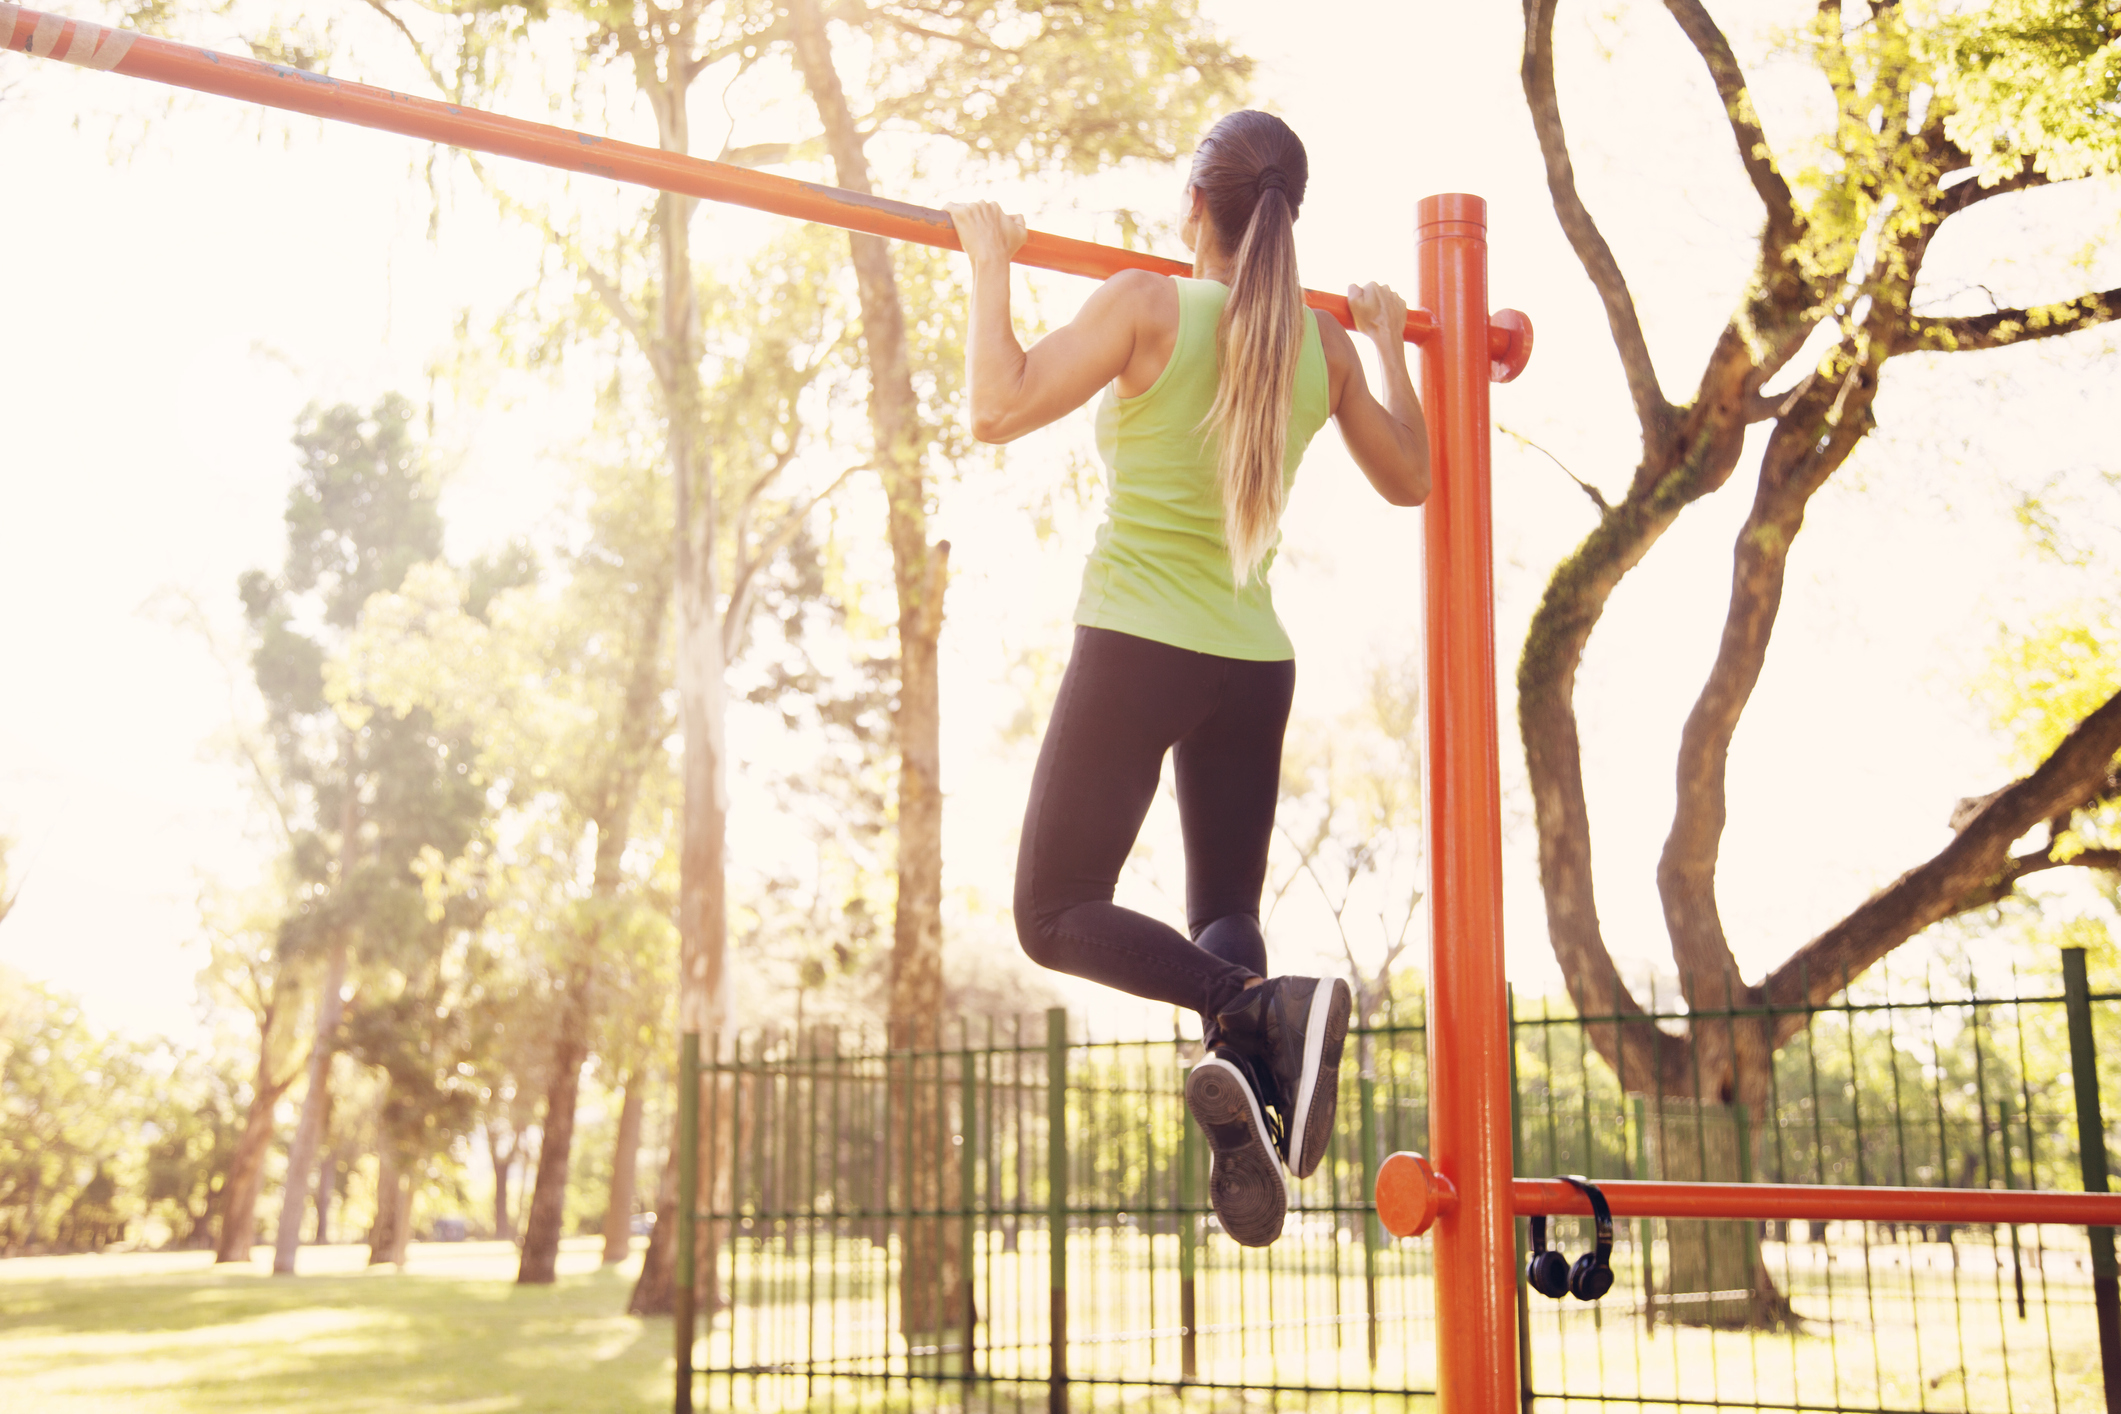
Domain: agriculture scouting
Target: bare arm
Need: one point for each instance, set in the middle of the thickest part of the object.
(1013, 390)
(1389, 442)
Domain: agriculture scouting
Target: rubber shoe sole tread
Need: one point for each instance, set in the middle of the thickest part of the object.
(1245, 1185)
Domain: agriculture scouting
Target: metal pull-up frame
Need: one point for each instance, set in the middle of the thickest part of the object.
(1465, 1190)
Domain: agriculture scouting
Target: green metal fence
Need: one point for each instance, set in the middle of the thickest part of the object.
(1016, 1218)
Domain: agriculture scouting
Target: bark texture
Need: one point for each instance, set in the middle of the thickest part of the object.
(618, 1214)
(331, 1009)
(666, 60)
(929, 1257)
(504, 1161)
(238, 1227)
(611, 817)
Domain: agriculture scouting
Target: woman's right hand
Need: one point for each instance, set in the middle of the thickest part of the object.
(987, 233)
(1380, 314)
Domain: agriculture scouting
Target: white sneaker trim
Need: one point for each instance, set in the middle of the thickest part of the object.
(1314, 1053)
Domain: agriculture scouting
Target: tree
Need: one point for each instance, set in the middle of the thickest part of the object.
(244, 969)
(369, 795)
(1918, 138)
(69, 1110)
(192, 1126)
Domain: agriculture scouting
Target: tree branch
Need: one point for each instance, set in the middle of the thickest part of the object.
(1965, 874)
(1753, 149)
(1959, 196)
(419, 50)
(1651, 408)
(738, 612)
(2011, 326)
(1597, 497)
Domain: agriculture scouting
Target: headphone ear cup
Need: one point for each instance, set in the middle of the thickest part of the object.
(1548, 1274)
(1590, 1278)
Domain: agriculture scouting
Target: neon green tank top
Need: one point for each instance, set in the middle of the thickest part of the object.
(1160, 568)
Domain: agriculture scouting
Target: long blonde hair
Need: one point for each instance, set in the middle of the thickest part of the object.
(1251, 170)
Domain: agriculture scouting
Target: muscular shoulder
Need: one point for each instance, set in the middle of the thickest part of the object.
(1143, 296)
(1146, 305)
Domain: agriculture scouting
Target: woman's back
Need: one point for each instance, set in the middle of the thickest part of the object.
(1161, 567)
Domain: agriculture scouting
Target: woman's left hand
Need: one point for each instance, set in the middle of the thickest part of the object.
(986, 233)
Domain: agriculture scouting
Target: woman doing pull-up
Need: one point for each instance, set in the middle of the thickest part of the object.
(1213, 386)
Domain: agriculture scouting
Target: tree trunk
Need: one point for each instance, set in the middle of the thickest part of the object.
(929, 1258)
(652, 1290)
(327, 1170)
(702, 883)
(1713, 1274)
(618, 1215)
(548, 1202)
(327, 1186)
(302, 1152)
(246, 1173)
(504, 1228)
(655, 1291)
(401, 1224)
(382, 1236)
(331, 1005)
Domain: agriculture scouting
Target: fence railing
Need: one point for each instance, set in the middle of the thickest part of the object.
(1014, 1214)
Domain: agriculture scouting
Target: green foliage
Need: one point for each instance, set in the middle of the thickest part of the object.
(2042, 683)
(102, 1139)
(2030, 83)
(1044, 86)
(197, 1119)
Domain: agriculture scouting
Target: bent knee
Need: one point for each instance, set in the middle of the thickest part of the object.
(1035, 933)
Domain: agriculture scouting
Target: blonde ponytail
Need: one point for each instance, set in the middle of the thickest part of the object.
(1252, 170)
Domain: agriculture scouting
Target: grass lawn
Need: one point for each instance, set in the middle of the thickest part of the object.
(154, 1332)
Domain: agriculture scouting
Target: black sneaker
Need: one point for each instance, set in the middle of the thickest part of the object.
(1245, 1185)
(1295, 1028)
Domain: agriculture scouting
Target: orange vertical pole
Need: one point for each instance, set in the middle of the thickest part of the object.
(1469, 1072)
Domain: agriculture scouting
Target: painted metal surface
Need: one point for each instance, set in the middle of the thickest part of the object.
(300, 91)
(1641, 1198)
(1469, 1029)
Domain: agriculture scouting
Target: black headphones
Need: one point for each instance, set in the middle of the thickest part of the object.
(1550, 1274)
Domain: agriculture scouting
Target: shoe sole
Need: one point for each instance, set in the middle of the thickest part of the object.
(1245, 1185)
(1325, 1033)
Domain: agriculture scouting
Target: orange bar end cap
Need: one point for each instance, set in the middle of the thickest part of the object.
(1509, 344)
(1411, 1195)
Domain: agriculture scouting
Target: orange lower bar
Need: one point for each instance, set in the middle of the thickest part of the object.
(299, 91)
(1644, 1199)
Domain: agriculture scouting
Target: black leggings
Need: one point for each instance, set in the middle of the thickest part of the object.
(1124, 702)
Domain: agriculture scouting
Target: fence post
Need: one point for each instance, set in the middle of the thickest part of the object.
(1189, 1249)
(1057, 1201)
(1372, 1230)
(688, 1205)
(2003, 1128)
(968, 1198)
(2091, 1151)
(1645, 1235)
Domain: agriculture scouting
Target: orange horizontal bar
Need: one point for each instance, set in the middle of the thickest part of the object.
(1636, 1198)
(300, 91)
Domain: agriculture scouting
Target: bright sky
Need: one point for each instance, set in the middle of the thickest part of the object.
(187, 275)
